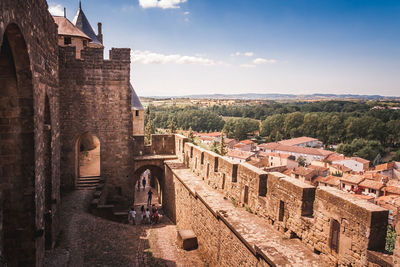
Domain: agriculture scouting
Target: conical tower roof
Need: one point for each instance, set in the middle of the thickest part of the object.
(136, 104)
(83, 24)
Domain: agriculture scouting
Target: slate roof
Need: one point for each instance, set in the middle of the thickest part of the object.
(136, 104)
(65, 27)
(83, 24)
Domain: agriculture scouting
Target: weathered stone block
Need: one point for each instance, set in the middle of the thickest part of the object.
(187, 239)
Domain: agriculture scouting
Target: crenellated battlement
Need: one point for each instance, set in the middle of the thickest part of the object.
(334, 224)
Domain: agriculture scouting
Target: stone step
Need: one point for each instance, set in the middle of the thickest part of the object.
(85, 187)
(90, 178)
(91, 182)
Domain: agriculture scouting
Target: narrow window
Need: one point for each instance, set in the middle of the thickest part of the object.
(84, 43)
(191, 152)
(67, 40)
(246, 194)
(208, 170)
(216, 164)
(223, 181)
(202, 158)
(335, 231)
(234, 173)
(137, 113)
(195, 164)
(281, 210)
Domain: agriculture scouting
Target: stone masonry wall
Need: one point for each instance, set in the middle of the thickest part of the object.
(95, 98)
(30, 131)
(216, 240)
(296, 209)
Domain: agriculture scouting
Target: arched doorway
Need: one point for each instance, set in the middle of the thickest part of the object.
(154, 177)
(17, 160)
(88, 161)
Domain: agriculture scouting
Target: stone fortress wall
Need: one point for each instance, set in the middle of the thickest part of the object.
(296, 209)
(96, 98)
(30, 132)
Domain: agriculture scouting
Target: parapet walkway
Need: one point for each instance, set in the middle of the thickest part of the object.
(253, 229)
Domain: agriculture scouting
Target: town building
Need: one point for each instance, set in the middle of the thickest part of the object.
(301, 141)
(356, 164)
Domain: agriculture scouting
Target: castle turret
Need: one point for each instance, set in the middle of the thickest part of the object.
(83, 24)
(137, 114)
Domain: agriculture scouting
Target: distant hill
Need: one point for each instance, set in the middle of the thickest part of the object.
(253, 96)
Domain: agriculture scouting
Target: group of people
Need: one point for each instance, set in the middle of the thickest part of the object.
(148, 216)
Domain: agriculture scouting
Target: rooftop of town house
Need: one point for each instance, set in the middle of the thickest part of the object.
(367, 183)
(206, 138)
(385, 166)
(296, 149)
(287, 172)
(364, 197)
(392, 189)
(303, 171)
(340, 167)
(297, 141)
(256, 163)
(334, 157)
(66, 28)
(247, 142)
(239, 154)
(331, 180)
(388, 199)
(361, 160)
(352, 179)
(318, 168)
(279, 155)
(253, 229)
(228, 140)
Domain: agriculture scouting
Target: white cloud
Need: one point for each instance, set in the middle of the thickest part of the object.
(263, 61)
(164, 4)
(246, 54)
(56, 10)
(248, 66)
(148, 57)
(186, 13)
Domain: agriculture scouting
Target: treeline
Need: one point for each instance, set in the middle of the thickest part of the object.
(353, 124)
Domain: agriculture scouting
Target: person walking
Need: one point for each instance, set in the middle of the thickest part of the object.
(149, 197)
(138, 185)
(147, 214)
(144, 183)
(132, 216)
(143, 213)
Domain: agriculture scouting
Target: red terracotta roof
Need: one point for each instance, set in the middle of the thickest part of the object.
(353, 179)
(278, 155)
(297, 141)
(319, 168)
(361, 160)
(247, 142)
(65, 27)
(334, 157)
(340, 167)
(331, 180)
(385, 166)
(296, 149)
(303, 171)
(239, 154)
(371, 184)
(393, 189)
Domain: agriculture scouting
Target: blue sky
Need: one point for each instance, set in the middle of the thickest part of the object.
(182, 47)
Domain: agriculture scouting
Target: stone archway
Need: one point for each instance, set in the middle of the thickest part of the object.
(156, 180)
(87, 160)
(17, 159)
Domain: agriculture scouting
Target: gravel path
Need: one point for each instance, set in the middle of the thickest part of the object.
(87, 240)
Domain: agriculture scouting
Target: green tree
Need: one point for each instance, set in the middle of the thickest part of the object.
(214, 147)
(172, 126)
(301, 161)
(222, 146)
(148, 131)
(190, 136)
(390, 239)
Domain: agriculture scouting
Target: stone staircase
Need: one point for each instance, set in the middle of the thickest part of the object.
(88, 182)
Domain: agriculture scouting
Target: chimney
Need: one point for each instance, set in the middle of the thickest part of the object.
(99, 34)
(65, 12)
